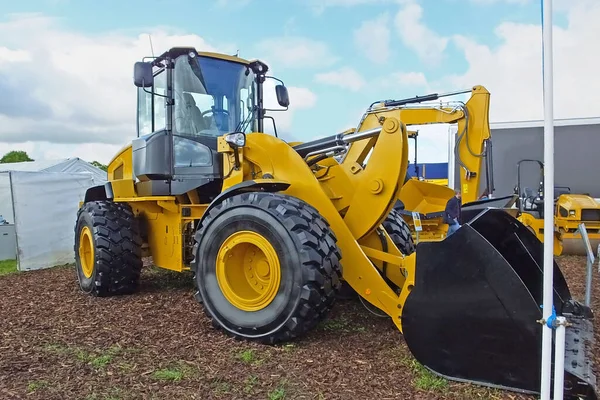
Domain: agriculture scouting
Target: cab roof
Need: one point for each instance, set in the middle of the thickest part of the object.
(178, 51)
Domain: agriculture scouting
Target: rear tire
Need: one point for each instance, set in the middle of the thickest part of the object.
(308, 266)
(109, 234)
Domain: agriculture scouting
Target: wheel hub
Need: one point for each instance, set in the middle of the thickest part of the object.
(86, 252)
(248, 271)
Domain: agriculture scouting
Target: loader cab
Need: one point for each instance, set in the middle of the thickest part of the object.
(186, 101)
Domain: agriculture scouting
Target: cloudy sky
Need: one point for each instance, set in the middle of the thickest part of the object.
(66, 65)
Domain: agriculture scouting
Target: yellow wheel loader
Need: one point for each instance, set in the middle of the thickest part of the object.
(570, 210)
(270, 229)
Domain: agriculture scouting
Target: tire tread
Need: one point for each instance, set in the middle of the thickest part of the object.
(118, 242)
(399, 232)
(319, 257)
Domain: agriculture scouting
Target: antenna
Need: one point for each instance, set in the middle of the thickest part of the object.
(151, 48)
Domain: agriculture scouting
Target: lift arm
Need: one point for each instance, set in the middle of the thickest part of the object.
(473, 141)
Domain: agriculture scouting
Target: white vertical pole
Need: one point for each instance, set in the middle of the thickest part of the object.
(548, 264)
(559, 366)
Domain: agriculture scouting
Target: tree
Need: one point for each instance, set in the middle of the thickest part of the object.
(15, 156)
(99, 165)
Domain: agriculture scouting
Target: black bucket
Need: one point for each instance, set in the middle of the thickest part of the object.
(472, 315)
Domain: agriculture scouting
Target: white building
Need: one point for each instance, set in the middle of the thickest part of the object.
(576, 159)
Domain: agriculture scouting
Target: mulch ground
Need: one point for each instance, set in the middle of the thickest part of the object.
(56, 343)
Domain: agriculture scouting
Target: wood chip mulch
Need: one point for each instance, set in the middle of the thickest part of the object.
(57, 343)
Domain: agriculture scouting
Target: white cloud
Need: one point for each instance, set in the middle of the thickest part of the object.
(345, 77)
(319, 6)
(512, 72)
(487, 2)
(72, 94)
(300, 99)
(372, 38)
(432, 143)
(13, 56)
(232, 3)
(418, 37)
(296, 52)
(409, 78)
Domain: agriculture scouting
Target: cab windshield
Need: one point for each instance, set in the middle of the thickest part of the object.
(212, 97)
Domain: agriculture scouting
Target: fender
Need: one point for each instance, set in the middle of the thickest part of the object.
(100, 192)
(256, 185)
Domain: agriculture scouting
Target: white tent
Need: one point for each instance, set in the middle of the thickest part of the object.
(41, 199)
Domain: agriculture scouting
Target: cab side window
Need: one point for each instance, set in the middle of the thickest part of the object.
(152, 118)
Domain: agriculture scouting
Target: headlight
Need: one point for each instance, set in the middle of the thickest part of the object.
(571, 212)
(236, 139)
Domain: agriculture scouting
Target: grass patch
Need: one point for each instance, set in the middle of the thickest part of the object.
(56, 348)
(428, 381)
(173, 374)
(247, 356)
(476, 392)
(249, 384)
(220, 387)
(34, 386)
(8, 267)
(279, 392)
(101, 361)
(425, 379)
(341, 325)
(98, 359)
(174, 371)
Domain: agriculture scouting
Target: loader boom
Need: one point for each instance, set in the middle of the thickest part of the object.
(473, 142)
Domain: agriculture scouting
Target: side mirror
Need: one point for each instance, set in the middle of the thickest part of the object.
(282, 95)
(142, 74)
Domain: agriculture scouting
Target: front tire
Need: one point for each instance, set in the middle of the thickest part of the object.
(267, 267)
(399, 232)
(107, 249)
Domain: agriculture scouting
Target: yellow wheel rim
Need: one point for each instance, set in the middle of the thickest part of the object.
(248, 271)
(86, 252)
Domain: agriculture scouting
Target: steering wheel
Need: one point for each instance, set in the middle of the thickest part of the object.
(213, 110)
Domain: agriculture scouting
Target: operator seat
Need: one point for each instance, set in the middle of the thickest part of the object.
(194, 114)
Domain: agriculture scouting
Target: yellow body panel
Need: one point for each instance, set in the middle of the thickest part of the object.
(567, 239)
(567, 217)
(426, 198)
(441, 182)
(537, 227)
